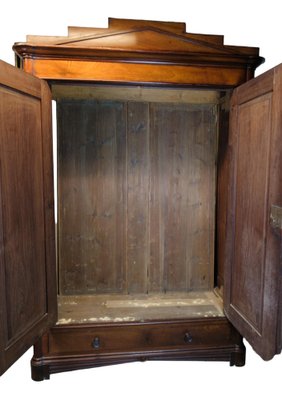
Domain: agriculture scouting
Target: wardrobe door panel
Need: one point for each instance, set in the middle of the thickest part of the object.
(252, 255)
(27, 249)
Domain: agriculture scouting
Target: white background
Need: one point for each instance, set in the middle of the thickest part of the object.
(247, 23)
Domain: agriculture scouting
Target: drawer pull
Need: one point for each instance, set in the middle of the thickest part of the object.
(96, 343)
(188, 338)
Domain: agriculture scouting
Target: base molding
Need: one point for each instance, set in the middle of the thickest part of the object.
(45, 362)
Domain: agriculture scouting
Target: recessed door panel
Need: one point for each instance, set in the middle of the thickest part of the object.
(27, 276)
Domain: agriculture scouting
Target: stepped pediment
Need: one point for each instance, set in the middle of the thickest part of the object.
(141, 41)
(146, 39)
(135, 35)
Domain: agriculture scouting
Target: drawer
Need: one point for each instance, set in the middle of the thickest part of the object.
(139, 337)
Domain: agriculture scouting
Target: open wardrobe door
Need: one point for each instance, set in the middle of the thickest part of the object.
(27, 234)
(252, 255)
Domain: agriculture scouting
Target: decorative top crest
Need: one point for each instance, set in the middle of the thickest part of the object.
(140, 41)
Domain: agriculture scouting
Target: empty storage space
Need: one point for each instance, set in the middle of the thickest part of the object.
(136, 203)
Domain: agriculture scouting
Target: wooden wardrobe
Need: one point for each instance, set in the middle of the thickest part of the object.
(148, 226)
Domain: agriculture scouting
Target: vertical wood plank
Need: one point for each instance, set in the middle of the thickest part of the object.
(109, 196)
(138, 172)
(183, 196)
(156, 264)
(174, 158)
(91, 199)
(71, 134)
(202, 171)
(137, 193)
(223, 176)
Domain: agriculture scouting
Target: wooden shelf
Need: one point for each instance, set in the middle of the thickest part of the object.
(130, 308)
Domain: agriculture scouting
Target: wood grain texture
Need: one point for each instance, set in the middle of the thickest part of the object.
(48, 198)
(128, 337)
(91, 196)
(184, 191)
(145, 223)
(76, 91)
(250, 236)
(124, 72)
(21, 227)
(27, 227)
(141, 41)
(111, 308)
(223, 162)
(70, 347)
(252, 267)
(145, 53)
(139, 51)
(136, 195)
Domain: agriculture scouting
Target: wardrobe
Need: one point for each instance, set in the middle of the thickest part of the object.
(146, 224)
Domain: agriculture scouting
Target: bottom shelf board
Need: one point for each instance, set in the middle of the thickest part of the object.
(130, 308)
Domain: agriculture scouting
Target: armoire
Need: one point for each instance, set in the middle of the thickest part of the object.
(147, 226)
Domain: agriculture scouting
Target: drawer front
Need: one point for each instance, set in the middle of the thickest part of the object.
(138, 337)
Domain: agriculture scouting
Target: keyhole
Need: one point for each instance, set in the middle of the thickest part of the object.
(188, 338)
(96, 343)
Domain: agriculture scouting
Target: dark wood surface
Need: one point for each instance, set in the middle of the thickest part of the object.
(136, 337)
(136, 196)
(223, 162)
(27, 273)
(162, 54)
(84, 346)
(252, 283)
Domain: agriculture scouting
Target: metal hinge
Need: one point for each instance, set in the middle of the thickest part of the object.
(276, 217)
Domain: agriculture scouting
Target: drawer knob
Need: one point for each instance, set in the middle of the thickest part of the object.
(188, 338)
(96, 343)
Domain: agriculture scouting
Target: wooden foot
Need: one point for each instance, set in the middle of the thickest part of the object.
(238, 357)
(39, 372)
